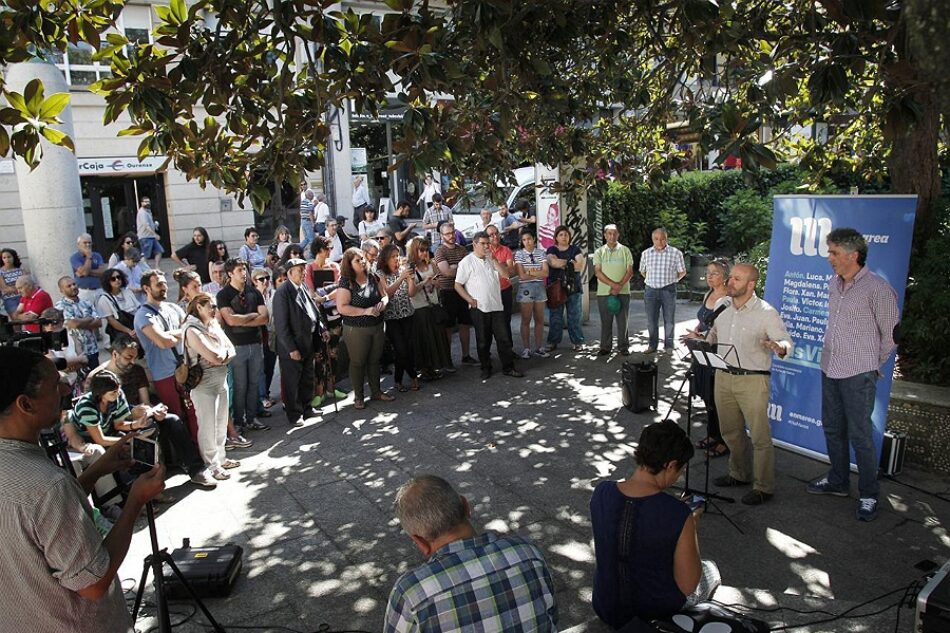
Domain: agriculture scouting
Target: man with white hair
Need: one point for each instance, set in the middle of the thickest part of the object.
(470, 581)
(613, 267)
(662, 267)
(336, 240)
(33, 301)
(87, 265)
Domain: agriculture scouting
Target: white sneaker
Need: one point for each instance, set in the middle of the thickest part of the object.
(204, 479)
(526, 353)
(543, 353)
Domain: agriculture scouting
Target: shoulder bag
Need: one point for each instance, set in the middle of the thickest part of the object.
(123, 317)
(181, 368)
(439, 315)
(195, 371)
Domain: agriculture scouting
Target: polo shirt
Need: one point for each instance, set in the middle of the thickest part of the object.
(614, 264)
(503, 255)
(481, 280)
(36, 303)
(89, 282)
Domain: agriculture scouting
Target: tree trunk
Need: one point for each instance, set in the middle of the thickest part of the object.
(913, 163)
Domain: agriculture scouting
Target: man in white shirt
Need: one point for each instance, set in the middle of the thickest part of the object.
(321, 212)
(336, 242)
(478, 282)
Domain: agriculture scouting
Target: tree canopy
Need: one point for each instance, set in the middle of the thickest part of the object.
(233, 89)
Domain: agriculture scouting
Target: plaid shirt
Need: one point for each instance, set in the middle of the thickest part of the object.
(444, 214)
(485, 583)
(81, 309)
(662, 268)
(861, 319)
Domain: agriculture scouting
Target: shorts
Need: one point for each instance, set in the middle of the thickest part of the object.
(456, 308)
(151, 247)
(532, 293)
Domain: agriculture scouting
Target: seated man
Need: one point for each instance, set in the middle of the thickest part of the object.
(470, 581)
(103, 412)
(124, 351)
(645, 541)
(59, 573)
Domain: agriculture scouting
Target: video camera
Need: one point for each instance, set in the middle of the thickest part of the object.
(40, 342)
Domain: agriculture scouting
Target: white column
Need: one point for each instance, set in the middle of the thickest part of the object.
(50, 195)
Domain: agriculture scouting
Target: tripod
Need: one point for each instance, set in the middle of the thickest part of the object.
(155, 560)
(710, 498)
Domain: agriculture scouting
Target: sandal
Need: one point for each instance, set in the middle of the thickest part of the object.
(382, 397)
(707, 443)
(719, 449)
(359, 404)
(230, 463)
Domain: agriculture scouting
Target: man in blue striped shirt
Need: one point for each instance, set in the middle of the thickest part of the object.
(470, 581)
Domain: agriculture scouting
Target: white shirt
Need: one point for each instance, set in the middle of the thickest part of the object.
(428, 191)
(322, 212)
(336, 247)
(481, 280)
(361, 196)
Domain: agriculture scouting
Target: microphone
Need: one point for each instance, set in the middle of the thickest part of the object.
(708, 321)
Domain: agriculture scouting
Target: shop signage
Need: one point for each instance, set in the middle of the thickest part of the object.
(116, 166)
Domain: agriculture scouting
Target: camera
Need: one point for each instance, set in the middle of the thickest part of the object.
(40, 342)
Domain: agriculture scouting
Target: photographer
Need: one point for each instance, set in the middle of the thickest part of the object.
(71, 351)
(58, 573)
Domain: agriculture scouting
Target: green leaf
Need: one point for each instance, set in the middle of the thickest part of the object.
(11, 116)
(4, 141)
(178, 11)
(33, 94)
(56, 137)
(53, 105)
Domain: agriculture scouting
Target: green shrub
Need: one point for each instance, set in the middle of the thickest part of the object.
(758, 256)
(683, 234)
(746, 220)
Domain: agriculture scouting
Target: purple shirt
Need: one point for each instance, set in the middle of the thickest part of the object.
(91, 281)
(862, 315)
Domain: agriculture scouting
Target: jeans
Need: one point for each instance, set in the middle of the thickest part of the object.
(556, 320)
(654, 298)
(306, 225)
(489, 325)
(507, 301)
(846, 408)
(606, 323)
(246, 366)
(10, 304)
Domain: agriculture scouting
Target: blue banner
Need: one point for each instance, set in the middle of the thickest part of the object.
(797, 286)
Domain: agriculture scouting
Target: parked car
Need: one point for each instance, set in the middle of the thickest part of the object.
(466, 210)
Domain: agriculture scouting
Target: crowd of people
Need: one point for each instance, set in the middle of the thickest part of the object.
(289, 322)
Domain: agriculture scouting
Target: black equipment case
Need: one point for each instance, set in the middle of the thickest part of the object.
(211, 571)
(638, 381)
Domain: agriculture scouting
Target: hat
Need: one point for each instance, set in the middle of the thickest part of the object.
(295, 261)
(613, 304)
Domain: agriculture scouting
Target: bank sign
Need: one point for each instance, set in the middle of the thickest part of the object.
(120, 166)
(797, 286)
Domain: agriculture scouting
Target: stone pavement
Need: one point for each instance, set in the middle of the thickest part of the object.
(313, 506)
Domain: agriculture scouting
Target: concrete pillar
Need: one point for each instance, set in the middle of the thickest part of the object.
(339, 165)
(50, 195)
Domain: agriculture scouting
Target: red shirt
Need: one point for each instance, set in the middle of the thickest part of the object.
(503, 255)
(36, 303)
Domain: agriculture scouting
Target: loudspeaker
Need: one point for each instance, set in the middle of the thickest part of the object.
(638, 382)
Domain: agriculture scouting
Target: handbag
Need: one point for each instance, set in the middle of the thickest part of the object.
(439, 313)
(556, 294)
(124, 318)
(195, 372)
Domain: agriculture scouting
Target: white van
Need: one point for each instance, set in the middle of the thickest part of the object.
(466, 211)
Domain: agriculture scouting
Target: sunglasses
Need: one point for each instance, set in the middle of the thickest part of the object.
(116, 278)
(128, 242)
(262, 279)
(222, 247)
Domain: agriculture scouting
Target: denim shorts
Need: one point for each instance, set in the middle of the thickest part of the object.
(531, 292)
(151, 247)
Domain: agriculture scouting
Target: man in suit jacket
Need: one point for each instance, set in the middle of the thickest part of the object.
(296, 323)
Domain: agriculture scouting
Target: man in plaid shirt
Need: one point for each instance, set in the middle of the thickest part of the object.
(470, 581)
(662, 266)
(859, 339)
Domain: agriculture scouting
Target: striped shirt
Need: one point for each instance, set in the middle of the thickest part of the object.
(485, 583)
(534, 260)
(862, 315)
(51, 550)
(306, 209)
(434, 216)
(662, 268)
(452, 255)
(86, 414)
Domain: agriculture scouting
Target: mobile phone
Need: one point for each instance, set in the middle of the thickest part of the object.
(695, 502)
(144, 451)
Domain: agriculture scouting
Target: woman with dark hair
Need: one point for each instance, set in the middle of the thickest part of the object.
(189, 285)
(103, 411)
(207, 345)
(194, 255)
(11, 270)
(251, 252)
(326, 353)
(532, 265)
(369, 225)
(293, 251)
(116, 304)
(217, 252)
(645, 541)
(398, 282)
(124, 243)
(703, 377)
(362, 302)
(430, 343)
(566, 261)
